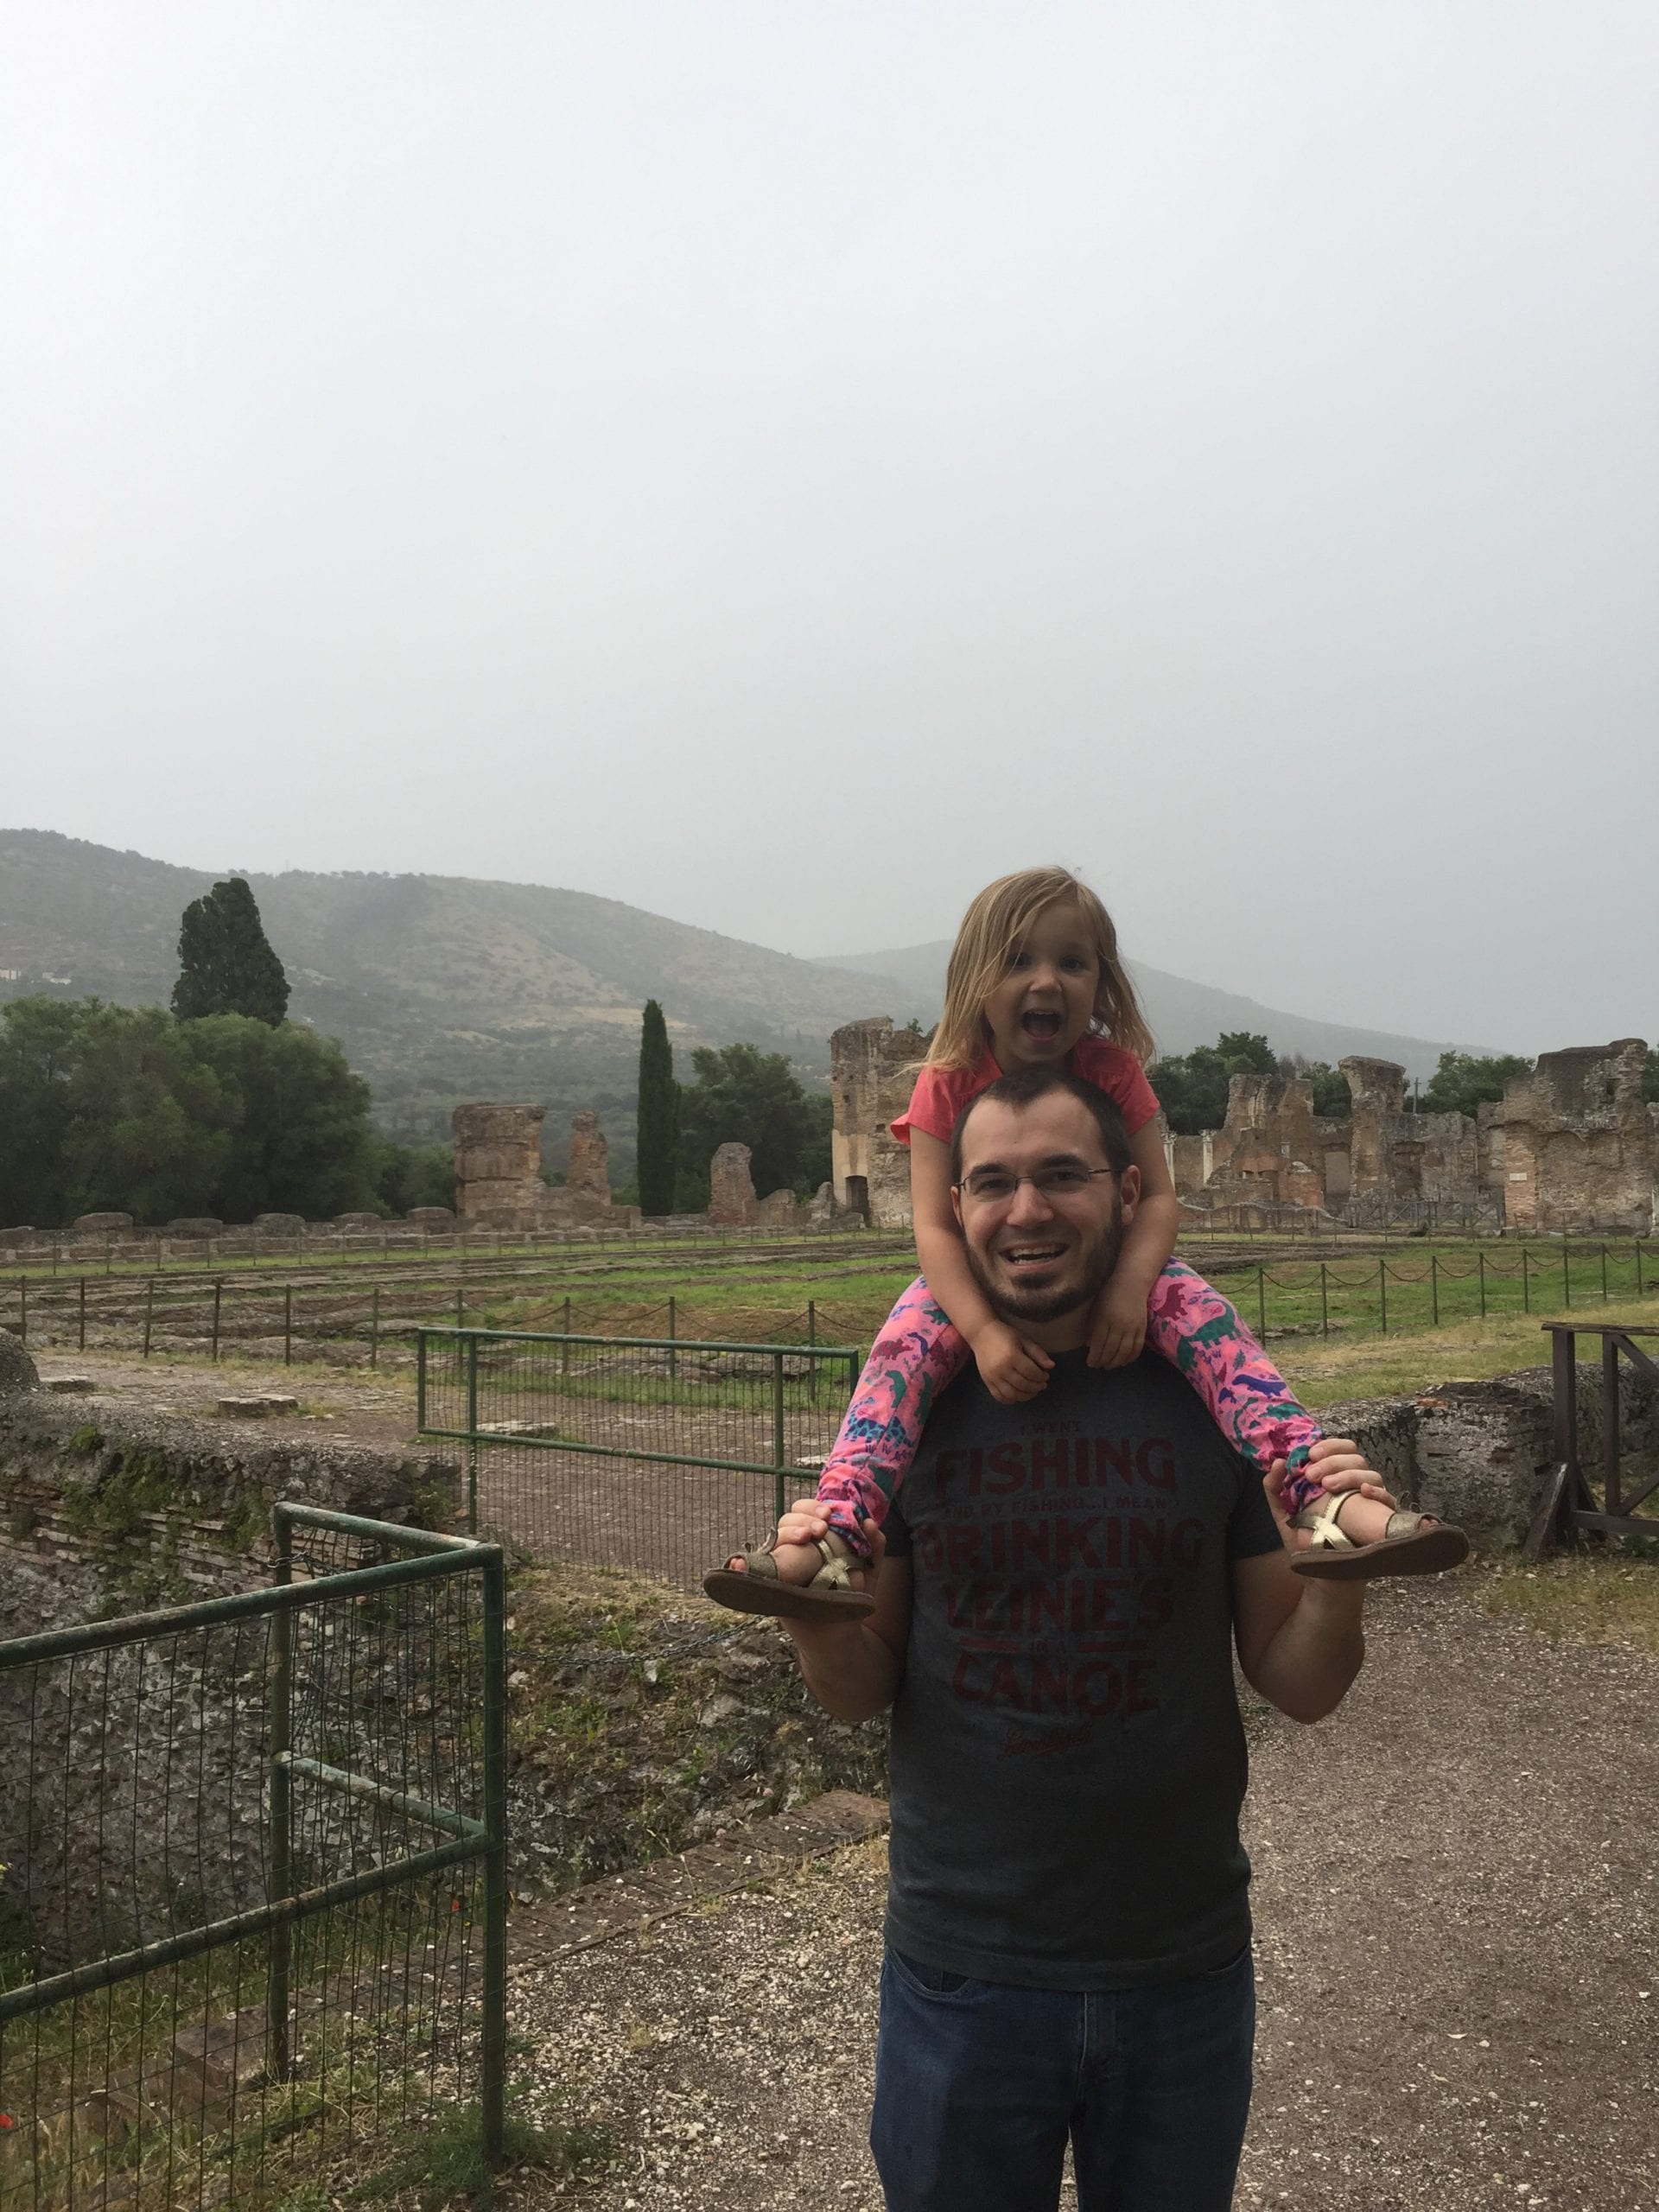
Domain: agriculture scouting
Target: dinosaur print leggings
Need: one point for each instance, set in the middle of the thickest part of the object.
(919, 1351)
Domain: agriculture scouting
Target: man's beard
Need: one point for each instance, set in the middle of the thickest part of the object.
(1090, 1267)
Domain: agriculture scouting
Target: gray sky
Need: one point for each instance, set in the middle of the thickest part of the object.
(782, 465)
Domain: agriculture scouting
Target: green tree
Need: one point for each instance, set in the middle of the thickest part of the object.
(745, 1096)
(1462, 1080)
(103, 1109)
(1192, 1087)
(406, 1176)
(227, 965)
(299, 1119)
(1650, 1075)
(38, 1060)
(659, 1114)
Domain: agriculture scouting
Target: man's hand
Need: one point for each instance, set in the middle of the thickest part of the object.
(1011, 1367)
(826, 1636)
(854, 1667)
(1117, 1326)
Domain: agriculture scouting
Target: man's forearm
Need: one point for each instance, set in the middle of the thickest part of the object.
(848, 1669)
(1310, 1663)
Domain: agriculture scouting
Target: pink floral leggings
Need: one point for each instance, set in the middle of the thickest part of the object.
(919, 1351)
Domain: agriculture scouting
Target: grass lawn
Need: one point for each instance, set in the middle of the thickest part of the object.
(1376, 1366)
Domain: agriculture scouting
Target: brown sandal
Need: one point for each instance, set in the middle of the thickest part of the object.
(757, 1586)
(1409, 1545)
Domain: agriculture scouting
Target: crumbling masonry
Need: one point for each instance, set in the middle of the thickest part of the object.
(1571, 1147)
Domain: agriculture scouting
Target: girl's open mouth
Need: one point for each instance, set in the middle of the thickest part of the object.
(1042, 1028)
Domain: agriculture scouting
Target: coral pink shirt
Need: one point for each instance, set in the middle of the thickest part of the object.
(941, 1093)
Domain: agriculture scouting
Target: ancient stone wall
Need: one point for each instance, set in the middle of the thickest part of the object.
(498, 1173)
(872, 1072)
(1579, 1141)
(497, 1165)
(588, 1175)
(731, 1187)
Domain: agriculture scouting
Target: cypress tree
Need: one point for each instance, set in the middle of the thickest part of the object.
(227, 965)
(659, 1114)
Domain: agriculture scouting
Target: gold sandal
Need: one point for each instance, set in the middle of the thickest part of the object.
(1411, 1544)
(757, 1586)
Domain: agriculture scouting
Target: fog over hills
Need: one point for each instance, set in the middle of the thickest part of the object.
(1182, 1014)
(448, 988)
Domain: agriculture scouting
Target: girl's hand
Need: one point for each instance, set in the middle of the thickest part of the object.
(1117, 1327)
(1011, 1367)
(1337, 1463)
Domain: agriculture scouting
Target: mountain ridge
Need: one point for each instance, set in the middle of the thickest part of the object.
(448, 988)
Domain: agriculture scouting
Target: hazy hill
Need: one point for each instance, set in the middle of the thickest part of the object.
(442, 987)
(1182, 1014)
(445, 987)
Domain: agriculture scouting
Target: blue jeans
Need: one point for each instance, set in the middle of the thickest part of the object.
(979, 2084)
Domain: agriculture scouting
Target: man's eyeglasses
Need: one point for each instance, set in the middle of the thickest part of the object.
(995, 1186)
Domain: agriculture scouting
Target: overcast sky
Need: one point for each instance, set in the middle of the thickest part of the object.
(782, 463)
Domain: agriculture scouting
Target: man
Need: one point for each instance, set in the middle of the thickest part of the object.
(1060, 1588)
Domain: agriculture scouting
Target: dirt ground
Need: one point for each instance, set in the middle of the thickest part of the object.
(1455, 1907)
(1457, 1979)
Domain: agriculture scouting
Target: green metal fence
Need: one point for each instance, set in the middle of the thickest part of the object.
(660, 1452)
(1397, 1293)
(253, 1917)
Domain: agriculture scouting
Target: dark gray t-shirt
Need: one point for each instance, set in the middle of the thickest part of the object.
(1068, 1761)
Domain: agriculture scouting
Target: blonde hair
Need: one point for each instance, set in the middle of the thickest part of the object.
(992, 930)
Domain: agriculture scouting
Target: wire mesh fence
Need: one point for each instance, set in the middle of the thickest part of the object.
(657, 1452)
(1397, 1295)
(374, 1323)
(252, 1916)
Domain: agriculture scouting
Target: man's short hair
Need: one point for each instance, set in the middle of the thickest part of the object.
(1025, 1087)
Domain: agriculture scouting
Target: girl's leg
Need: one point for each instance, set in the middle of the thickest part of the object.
(1248, 1399)
(917, 1353)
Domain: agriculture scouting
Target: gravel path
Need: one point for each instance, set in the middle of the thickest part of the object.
(1458, 1983)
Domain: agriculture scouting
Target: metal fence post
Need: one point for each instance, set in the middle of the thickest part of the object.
(1567, 1277)
(22, 1309)
(471, 1436)
(282, 1830)
(1260, 1302)
(1434, 1289)
(83, 1305)
(673, 1330)
(374, 1327)
(288, 1324)
(219, 1292)
(778, 1436)
(419, 1380)
(811, 1345)
(1383, 1291)
(1480, 1263)
(1603, 1275)
(493, 2086)
(150, 1312)
(1324, 1303)
(1526, 1284)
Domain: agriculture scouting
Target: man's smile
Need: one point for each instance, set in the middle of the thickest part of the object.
(1032, 1255)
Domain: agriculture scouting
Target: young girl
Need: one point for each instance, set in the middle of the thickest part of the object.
(1034, 979)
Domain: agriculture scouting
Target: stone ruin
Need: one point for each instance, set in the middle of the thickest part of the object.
(872, 1072)
(498, 1172)
(1571, 1147)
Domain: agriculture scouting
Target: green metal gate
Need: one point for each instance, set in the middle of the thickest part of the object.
(255, 1911)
